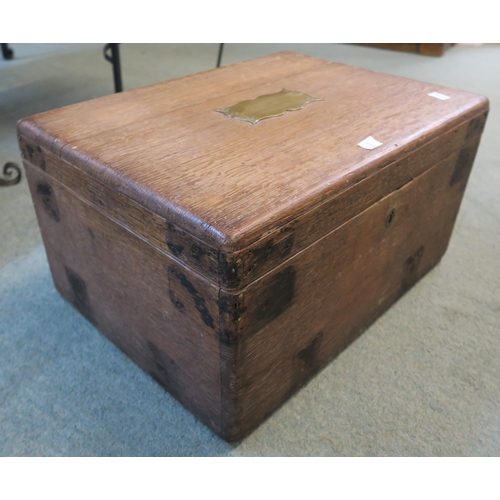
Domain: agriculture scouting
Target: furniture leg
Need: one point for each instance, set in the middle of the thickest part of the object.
(8, 171)
(219, 57)
(112, 55)
(7, 52)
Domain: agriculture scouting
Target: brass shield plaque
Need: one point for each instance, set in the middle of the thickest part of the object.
(268, 106)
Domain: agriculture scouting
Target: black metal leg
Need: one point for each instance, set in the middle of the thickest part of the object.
(7, 52)
(114, 59)
(11, 171)
(8, 170)
(219, 58)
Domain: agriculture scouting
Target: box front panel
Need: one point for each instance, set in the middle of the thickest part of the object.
(162, 316)
(296, 318)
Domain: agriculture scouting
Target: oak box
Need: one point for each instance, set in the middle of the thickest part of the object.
(232, 231)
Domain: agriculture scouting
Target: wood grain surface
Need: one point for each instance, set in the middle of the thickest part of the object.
(292, 321)
(230, 261)
(230, 183)
(237, 269)
(164, 317)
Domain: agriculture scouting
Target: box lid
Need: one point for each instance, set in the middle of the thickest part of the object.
(233, 185)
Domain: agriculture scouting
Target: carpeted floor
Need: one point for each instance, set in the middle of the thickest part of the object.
(422, 381)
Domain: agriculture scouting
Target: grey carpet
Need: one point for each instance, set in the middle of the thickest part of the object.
(423, 380)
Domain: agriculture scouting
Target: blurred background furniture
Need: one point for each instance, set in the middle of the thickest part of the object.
(11, 171)
(426, 49)
(7, 52)
(111, 51)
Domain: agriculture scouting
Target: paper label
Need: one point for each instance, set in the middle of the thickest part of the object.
(370, 143)
(437, 95)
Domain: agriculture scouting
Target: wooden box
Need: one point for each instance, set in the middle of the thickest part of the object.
(232, 260)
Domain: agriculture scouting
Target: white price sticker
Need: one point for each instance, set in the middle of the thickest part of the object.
(369, 143)
(437, 95)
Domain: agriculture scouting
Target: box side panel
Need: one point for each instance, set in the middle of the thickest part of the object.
(164, 317)
(295, 319)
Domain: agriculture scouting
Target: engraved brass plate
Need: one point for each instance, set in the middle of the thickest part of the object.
(268, 106)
